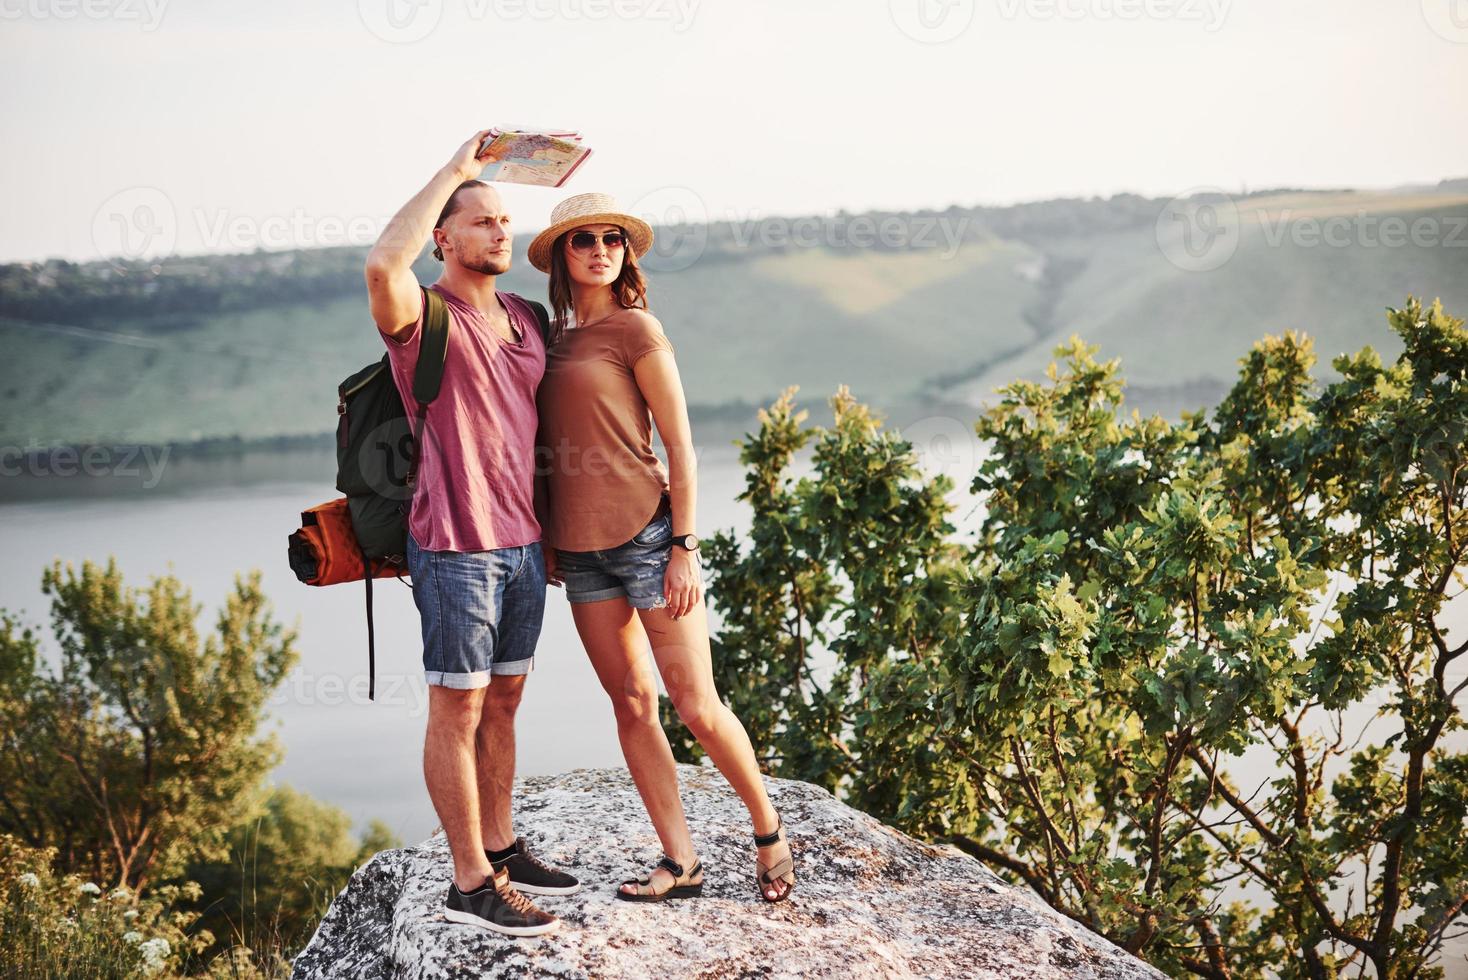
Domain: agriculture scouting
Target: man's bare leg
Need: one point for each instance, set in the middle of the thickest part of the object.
(449, 771)
(495, 759)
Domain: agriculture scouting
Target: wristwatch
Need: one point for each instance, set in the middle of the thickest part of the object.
(688, 542)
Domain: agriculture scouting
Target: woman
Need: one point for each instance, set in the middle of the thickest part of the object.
(617, 531)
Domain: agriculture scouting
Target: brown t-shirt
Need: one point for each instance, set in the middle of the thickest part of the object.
(603, 481)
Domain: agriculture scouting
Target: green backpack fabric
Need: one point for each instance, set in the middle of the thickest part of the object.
(377, 451)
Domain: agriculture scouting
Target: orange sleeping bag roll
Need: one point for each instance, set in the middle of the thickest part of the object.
(325, 552)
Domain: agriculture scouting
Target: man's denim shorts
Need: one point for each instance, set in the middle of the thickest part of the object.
(634, 569)
(481, 611)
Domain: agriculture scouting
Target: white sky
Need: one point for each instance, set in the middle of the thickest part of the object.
(225, 125)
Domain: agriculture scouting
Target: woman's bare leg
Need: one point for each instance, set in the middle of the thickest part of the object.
(617, 646)
(681, 649)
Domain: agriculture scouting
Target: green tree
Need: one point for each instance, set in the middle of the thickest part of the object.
(845, 570)
(139, 751)
(1067, 697)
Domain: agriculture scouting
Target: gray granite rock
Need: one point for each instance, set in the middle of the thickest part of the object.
(870, 902)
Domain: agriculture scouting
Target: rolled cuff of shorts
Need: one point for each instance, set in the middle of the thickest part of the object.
(597, 596)
(457, 682)
(647, 601)
(513, 667)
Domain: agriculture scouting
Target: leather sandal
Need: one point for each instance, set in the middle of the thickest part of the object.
(685, 889)
(782, 873)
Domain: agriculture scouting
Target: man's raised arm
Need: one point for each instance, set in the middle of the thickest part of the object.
(391, 286)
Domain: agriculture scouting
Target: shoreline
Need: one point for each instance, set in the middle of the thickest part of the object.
(101, 471)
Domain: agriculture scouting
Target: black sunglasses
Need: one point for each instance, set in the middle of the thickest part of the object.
(583, 241)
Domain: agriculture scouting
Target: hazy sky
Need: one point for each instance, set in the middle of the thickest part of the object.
(218, 126)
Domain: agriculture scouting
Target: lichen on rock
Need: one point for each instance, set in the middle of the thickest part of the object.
(869, 902)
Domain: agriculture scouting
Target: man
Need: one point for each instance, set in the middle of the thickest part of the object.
(474, 549)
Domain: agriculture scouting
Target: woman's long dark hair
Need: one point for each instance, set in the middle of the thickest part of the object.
(629, 288)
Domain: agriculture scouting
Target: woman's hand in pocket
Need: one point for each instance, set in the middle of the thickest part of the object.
(552, 574)
(682, 582)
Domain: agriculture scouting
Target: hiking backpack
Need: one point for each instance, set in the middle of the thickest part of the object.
(364, 534)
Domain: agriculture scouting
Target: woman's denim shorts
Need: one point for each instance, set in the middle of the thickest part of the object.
(634, 569)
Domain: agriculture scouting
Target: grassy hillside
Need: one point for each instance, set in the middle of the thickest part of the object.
(1171, 326)
(253, 345)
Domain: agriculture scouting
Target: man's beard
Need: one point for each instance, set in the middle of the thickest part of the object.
(491, 265)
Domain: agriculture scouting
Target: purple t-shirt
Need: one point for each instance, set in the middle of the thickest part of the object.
(476, 470)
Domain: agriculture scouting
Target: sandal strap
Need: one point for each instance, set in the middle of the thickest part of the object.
(773, 837)
(781, 891)
(777, 871)
(670, 866)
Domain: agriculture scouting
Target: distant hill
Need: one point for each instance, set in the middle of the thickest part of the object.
(937, 311)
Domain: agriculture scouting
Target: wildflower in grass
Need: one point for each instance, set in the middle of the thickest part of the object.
(90, 888)
(155, 955)
(29, 879)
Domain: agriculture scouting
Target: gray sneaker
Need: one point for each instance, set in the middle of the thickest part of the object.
(498, 906)
(533, 876)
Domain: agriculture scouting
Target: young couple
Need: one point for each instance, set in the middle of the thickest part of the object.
(493, 520)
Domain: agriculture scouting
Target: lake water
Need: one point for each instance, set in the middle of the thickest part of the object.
(362, 756)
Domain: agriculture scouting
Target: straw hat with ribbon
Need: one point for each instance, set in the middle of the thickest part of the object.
(588, 209)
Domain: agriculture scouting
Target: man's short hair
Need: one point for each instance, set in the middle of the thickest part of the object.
(449, 207)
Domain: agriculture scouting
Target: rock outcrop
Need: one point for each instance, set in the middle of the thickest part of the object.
(870, 902)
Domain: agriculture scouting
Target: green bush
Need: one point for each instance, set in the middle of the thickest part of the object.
(281, 870)
(61, 927)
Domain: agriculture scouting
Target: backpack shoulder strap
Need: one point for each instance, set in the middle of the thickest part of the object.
(433, 347)
(543, 318)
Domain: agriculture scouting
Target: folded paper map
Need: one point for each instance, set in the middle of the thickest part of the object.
(545, 158)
